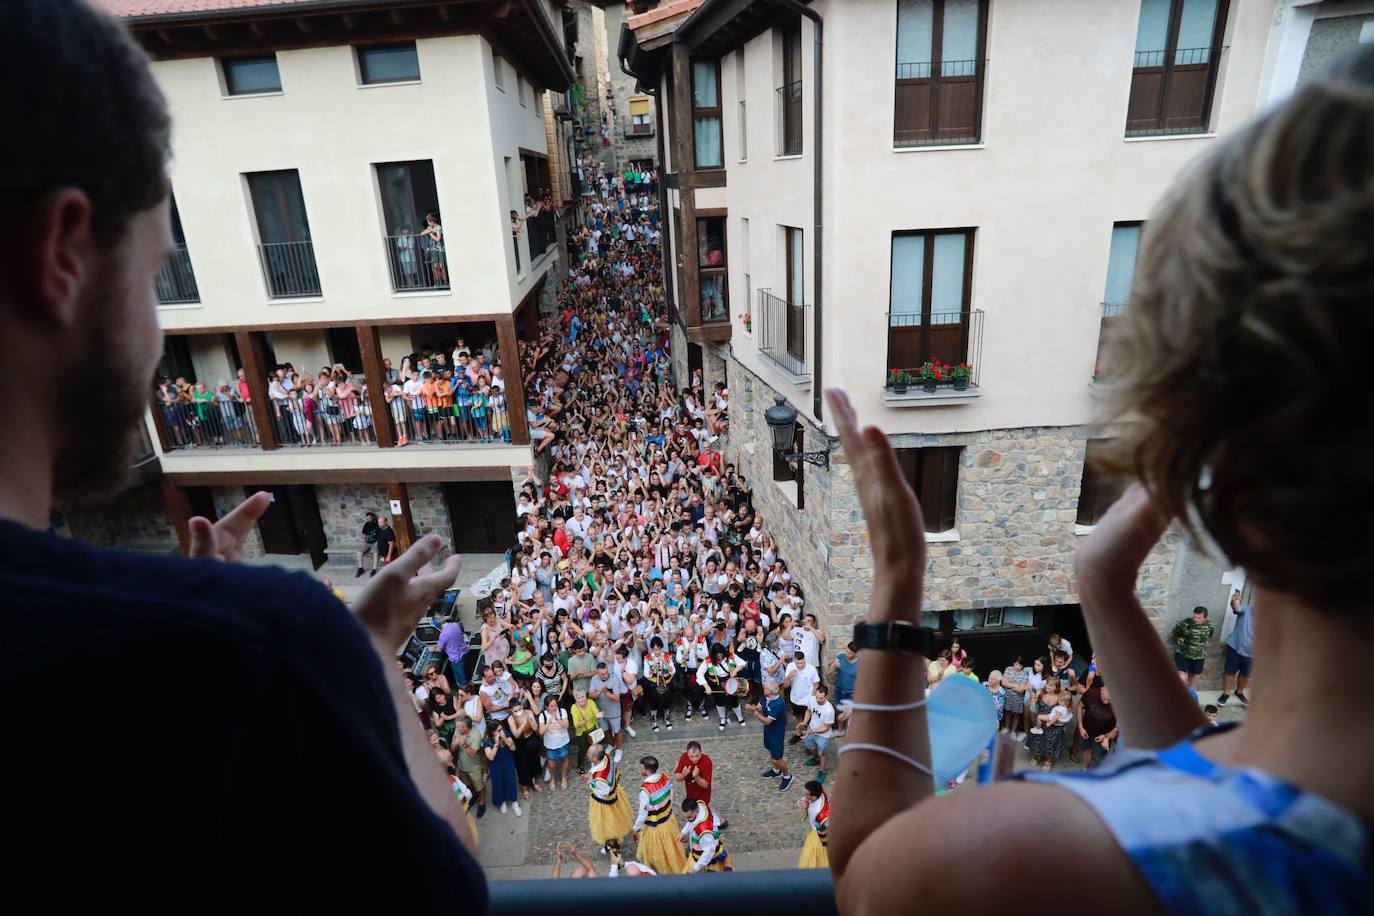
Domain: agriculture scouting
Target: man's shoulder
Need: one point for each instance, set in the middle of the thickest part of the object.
(62, 580)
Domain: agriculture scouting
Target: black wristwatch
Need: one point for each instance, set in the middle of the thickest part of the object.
(895, 636)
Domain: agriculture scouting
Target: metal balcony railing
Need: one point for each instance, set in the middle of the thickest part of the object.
(542, 233)
(1113, 309)
(759, 893)
(938, 103)
(289, 269)
(947, 338)
(208, 424)
(310, 420)
(415, 424)
(176, 281)
(782, 332)
(415, 263)
(630, 129)
(1172, 91)
(790, 119)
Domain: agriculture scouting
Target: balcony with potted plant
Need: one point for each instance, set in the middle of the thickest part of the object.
(932, 384)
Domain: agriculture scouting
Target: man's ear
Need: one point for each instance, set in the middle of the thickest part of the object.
(54, 255)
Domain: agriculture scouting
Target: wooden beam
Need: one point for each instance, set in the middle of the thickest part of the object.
(303, 25)
(210, 32)
(348, 21)
(164, 438)
(370, 345)
(166, 36)
(515, 385)
(338, 476)
(322, 325)
(255, 26)
(179, 511)
(401, 521)
(399, 17)
(445, 13)
(255, 369)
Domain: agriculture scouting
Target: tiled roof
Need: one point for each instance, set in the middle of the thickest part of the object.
(134, 8)
(663, 12)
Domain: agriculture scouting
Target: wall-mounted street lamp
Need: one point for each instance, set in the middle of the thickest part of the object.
(782, 420)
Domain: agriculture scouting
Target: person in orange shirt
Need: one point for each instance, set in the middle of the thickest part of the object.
(429, 391)
(443, 390)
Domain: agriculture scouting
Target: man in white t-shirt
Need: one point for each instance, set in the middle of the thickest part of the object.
(800, 680)
(818, 726)
(497, 692)
(807, 640)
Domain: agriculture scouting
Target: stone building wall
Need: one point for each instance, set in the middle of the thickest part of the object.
(136, 519)
(429, 513)
(622, 87)
(344, 508)
(1017, 504)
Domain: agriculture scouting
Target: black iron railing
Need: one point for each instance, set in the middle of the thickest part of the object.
(541, 233)
(289, 269)
(945, 338)
(790, 119)
(415, 263)
(324, 419)
(208, 424)
(1113, 309)
(938, 103)
(176, 281)
(782, 331)
(1172, 91)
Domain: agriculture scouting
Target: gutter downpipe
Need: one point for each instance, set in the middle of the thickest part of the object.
(817, 386)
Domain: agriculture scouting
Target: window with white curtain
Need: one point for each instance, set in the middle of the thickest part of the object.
(1121, 263)
(706, 130)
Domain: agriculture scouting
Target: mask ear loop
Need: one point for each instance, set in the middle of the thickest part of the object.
(880, 749)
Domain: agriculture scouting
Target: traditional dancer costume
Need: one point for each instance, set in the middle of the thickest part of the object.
(690, 654)
(658, 837)
(608, 811)
(713, 677)
(703, 835)
(659, 669)
(814, 852)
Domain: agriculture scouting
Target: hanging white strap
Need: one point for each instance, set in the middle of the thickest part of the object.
(896, 755)
(878, 707)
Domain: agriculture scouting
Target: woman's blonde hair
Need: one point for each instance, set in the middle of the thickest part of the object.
(1239, 364)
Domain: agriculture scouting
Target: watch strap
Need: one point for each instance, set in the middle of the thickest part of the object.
(895, 636)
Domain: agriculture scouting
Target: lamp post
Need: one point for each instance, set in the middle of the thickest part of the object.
(782, 421)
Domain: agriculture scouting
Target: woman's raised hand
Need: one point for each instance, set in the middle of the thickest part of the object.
(896, 530)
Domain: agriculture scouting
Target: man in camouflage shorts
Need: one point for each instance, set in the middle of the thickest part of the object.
(1190, 641)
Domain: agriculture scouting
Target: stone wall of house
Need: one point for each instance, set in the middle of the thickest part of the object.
(136, 519)
(805, 539)
(1017, 504)
(344, 508)
(429, 513)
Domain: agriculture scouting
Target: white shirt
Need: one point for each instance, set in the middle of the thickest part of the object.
(807, 644)
(500, 692)
(822, 716)
(799, 693)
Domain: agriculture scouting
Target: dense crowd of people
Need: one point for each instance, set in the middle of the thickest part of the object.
(643, 587)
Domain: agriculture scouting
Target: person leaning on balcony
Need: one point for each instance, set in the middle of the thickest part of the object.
(1257, 266)
(84, 210)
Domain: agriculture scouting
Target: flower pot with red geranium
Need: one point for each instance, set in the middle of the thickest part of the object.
(898, 380)
(932, 374)
(960, 375)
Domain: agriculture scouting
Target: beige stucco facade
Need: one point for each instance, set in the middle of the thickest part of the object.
(1042, 190)
(332, 129)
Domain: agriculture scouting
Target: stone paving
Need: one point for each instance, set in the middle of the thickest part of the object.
(766, 828)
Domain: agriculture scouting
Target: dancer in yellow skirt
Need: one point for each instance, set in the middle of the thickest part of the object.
(608, 813)
(656, 827)
(703, 836)
(816, 803)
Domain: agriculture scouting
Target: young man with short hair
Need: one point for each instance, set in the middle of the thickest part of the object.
(817, 726)
(84, 216)
(1190, 640)
(369, 543)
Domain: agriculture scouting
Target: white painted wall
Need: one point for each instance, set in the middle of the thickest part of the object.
(1051, 177)
(332, 130)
